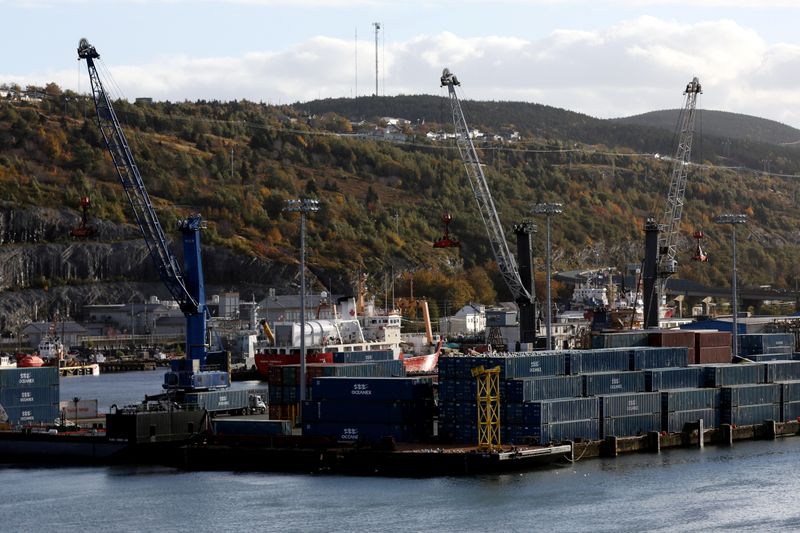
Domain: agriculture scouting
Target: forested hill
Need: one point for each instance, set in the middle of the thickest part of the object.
(382, 193)
(721, 124)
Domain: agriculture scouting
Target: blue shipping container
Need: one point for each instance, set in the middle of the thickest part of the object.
(751, 394)
(372, 389)
(612, 383)
(766, 343)
(626, 426)
(365, 356)
(745, 415)
(689, 399)
(606, 360)
(674, 421)
(724, 374)
(545, 388)
(251, 427)
(28, 377)
(614, 405)
(548, 411)
(658, 379)
(658, 357)
(790, 411)
(33, 414)
(366, 432)
(790, 391)
(26, 396)
(782, 371)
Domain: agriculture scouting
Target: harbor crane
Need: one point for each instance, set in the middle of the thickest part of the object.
(661, 237)
(201, 369)
(519, 280)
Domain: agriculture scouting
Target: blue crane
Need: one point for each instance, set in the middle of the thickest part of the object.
(201, 369)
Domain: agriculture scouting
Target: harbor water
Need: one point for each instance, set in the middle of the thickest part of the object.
(748, 487)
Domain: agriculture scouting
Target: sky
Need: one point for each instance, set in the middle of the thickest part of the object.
(603, 58)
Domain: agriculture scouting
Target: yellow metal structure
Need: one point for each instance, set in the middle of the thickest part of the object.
(488, 382)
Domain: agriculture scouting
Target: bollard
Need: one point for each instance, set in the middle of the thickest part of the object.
(727, 434)
(611, 446)
(700, 434)
(771, 429)
(654, 441)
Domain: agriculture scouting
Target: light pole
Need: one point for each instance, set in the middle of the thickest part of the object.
(548, 210)
(302, 206)
(733, 220)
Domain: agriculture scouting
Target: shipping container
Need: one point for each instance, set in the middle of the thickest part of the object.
(751, 394)
(364, 356)
(712, 339)
(763, 358)
(373, 412)
(712, 354)
(790, 411)
(614, 405)
(25, 396)
(781, 371)
(366, 432)
(548, 411)
(605, 360)
(86, 409)
(766, 343)
(720, 375)
(240, 426)
(529, 364)
(790, 391)
(645, 358)
(545, 388)
(745, 415)
(631, 425)
(372, 389)
(672, 338)
(612, 383)
(555, 432)
(657, 379)
(674, 421)
(621, 339)
(223, 400)
(689, 399)
(44, 376)
(31, 414)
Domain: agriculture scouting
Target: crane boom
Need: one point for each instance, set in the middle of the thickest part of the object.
(186, 285)
(477, 180)
(661, 237)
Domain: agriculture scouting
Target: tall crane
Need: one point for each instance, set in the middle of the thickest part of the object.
(661, 238)
(186, 285)
(521, 286)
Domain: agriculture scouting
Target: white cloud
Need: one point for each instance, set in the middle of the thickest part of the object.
(631, 67)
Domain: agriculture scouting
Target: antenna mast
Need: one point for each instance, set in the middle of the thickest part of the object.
(377, 29)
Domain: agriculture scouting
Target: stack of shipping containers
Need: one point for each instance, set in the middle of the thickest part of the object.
(29, 395)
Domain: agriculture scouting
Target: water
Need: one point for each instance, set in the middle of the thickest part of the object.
(749, 487)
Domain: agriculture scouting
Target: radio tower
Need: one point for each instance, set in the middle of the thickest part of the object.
(377, 29)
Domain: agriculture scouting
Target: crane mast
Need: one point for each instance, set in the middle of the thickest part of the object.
(661, 238)
(185, 285)
(518, 279)
(477, 180)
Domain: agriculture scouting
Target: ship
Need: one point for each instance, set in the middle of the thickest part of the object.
(372, 333)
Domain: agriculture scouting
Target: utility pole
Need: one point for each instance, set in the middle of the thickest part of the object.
(733, 220)
(548, 210)
(377, 26)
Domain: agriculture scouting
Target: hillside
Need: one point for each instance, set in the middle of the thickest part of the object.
(721, 124)
(238, 162)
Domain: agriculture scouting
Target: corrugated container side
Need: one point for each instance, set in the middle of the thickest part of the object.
(372, 389)
(530, 364)
(713, 354)
(751, 394)
(407, 412)
(674, 421)
(33, 414)
(23, 396)
(622, 339)
(763, 358)
(607, 360)
(689, 399)
(790, 391)
(782, 371)
(631, 425)
(557, 432)
(645, 358)
(255, 427)
(366, 355)
(720, 375)
(672, 338)
(657, 379)
(629, 404)
(745, 415)
(547, 411)
(612, 383)
(546, 388)
(766, 343)
(44, 376)
(366, 432)
(711, 339)
(790, 411)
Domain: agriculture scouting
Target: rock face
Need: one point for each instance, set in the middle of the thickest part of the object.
(41, 268)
